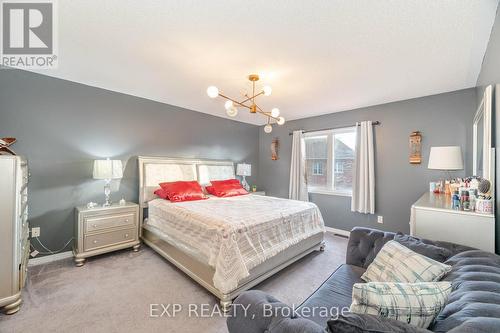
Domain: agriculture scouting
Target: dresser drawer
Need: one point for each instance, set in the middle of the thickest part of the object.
(98, 223)
(92, 242)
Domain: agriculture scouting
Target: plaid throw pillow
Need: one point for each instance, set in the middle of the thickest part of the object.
(413, 303)
(397, 263)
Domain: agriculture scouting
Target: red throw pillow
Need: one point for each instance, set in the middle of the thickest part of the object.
(183, 191)
(161, 193)
(226, 181)
(227, 189)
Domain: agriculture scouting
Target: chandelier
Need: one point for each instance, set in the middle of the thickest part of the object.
(232, 105)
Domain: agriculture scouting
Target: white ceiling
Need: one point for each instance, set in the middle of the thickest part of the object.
(319, 56)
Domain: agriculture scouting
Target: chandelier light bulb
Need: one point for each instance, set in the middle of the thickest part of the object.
(228, 105)
(232, 111)
(280, 121)
(267, 90)
(268, 128)
(275, 112)
(212, 92)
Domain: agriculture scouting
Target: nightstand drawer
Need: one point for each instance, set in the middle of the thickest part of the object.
(97, 223)
(92, 242)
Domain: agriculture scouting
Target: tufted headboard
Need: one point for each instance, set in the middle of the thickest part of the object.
(155, 170)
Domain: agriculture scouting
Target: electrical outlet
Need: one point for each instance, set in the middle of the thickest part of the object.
(35, 232)
(380, 219)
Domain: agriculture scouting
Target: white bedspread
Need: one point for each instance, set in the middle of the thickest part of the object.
(234, 234)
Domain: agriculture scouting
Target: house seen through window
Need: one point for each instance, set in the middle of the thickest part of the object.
(330, 159)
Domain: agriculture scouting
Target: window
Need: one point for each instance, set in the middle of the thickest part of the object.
(330, 159)
(317, 168)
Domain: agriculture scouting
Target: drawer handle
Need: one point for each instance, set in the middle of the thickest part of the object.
(94, 225)
(126, 235)
(126, 220)
(95, 241)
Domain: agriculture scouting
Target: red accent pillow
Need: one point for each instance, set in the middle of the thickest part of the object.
(227, 181)
(183, 191)
(161, 193)
(226, 189)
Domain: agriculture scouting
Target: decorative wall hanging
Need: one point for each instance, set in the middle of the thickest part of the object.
(232, 105)
(274, 149)
(415, 148)
(4, 146)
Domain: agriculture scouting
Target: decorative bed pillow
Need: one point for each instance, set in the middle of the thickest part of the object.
(224, 182)
(413, 303)
(429, 250)
(397, 263)
(183, 191)
(161, 193)
(229, 188)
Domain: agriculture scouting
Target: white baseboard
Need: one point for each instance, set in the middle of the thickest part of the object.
(50, 258)
(338, 231)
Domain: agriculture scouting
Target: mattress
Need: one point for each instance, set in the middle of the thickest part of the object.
(234, 235)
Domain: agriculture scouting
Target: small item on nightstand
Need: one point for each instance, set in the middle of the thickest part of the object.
(92, 205)
(123, 202)
(254, 188)
(456, 200)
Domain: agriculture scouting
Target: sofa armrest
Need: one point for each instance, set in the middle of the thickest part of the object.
(364, 244)
(255, 312)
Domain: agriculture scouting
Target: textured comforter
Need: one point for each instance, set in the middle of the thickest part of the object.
(233, 235)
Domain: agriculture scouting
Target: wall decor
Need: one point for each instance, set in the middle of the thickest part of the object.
(415, 147)
(274, 149)
(4, 146)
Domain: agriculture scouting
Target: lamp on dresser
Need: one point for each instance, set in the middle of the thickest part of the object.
(107, 170)
(448, 158)
(243, 170)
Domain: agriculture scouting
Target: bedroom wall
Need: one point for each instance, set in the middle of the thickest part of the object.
(490, 74)
(444, 119)
(62, 126)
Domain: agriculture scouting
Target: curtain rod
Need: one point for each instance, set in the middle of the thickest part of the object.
(332, 128)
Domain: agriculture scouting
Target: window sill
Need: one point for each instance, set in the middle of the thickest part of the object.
(327, 192)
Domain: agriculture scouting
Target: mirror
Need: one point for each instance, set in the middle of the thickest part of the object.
(482, 158)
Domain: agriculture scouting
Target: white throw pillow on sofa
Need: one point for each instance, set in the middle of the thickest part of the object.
(397, 263)
(416, 304)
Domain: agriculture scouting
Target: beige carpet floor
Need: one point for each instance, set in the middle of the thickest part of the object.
(113, 293)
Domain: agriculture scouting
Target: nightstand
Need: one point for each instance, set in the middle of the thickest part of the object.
(104, 229)
(259, 192)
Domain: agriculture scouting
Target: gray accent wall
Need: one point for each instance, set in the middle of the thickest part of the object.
(62, 126)
(490, 74)
(444, 119)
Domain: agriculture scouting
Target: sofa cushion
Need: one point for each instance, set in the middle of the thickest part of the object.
(474, 303)
(423, 247)
(335, 293)
(365, 323)
(397, 263)
(413, 303)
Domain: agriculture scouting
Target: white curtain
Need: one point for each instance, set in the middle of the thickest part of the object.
(363, 186)
(298, 182)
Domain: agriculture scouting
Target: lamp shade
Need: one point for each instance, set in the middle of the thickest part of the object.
(243, 169)
(108, 169)
(446, 158)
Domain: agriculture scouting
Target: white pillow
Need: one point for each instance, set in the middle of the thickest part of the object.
(416, 304)
(397, 263)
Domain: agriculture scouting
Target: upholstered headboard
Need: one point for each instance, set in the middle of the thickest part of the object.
(155, 170)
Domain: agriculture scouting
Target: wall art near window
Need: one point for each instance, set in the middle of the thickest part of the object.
(415, 148)
(274, 149)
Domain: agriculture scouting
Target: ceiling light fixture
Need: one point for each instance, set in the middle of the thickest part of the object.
(232, 105)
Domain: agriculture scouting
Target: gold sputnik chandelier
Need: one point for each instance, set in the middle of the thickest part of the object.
(232, 105)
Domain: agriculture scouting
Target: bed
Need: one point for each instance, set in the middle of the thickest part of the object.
(227, 245)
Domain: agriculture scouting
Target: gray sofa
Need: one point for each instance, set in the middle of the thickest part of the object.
(473, 305)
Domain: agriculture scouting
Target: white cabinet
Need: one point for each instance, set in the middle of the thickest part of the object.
(14, 243)
(433, 218)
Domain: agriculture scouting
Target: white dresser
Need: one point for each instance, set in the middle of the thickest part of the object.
(14, 243)
(433, 218)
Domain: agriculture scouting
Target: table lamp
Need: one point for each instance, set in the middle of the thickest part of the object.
(244, 170)
(107, 169)
(446, 158)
